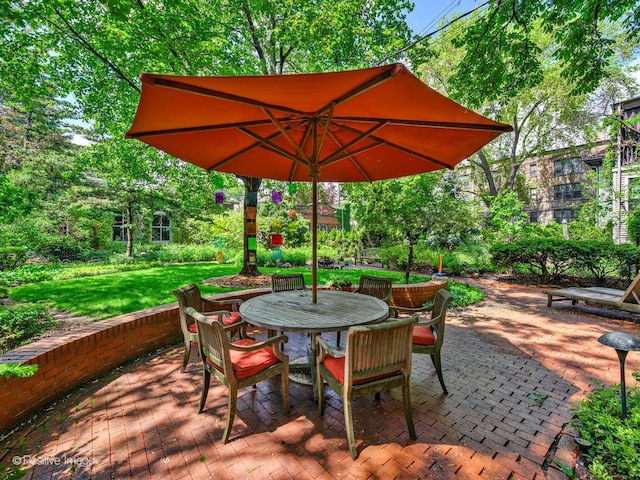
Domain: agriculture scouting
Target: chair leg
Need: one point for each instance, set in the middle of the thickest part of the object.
(206, 377)
(320, 387)
(348, 423)
(406, 397)
(187, 352)
(285, 392)
(231, 414)
(437, 362)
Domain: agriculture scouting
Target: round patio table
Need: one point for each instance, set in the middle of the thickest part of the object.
(292, 311)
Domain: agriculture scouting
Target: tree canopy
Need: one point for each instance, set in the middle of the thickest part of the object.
(502, 57)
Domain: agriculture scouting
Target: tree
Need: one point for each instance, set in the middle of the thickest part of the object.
(96, 51)
(507, 217)
(410, 208)
(502, 55)
(545, 115)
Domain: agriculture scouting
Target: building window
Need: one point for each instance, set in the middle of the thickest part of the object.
(533, 194)
(567, 191)
(567, 166)
(160, 228)
(533, 217)
(563, 214)
(533, 170)
(118, 229)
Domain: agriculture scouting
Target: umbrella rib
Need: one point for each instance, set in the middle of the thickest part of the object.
(428, 123)
(351, 153)
(284, 132)
(327, 120)
(377, 80)
(205, 128)
(261, 142)
(207, 92)
(339, 153)
(353, 160)
(402, 149)
(294, 167)
(267, 144)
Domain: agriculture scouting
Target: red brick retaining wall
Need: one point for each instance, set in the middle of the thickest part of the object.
(415, 295)
(69, 360)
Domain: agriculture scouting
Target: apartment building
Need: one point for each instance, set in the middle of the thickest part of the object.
(626, 171)
(558, 183)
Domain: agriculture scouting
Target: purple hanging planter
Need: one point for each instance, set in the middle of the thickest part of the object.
(276, 197)
(219, 197)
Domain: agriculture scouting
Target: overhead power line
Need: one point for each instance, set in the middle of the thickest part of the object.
(423, 38)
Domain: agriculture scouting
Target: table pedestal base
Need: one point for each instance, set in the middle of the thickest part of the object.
(300, 371)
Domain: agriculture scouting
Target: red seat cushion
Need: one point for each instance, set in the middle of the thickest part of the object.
(423, 336)
(247, 364)
(336, 366)
(234, 318)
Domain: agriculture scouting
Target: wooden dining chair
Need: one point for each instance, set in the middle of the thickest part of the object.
(428, 336)
(287, 282)
(379, 287)
(238, 364)
(190, 296)
(376, 358)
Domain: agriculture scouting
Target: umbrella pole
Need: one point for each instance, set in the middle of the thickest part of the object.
(314, 241)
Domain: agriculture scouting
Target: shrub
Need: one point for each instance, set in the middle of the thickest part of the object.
(552, 257)
(19, 324)
(28, 273)
(17, 370)
(12, 257)
(615, 443)
(463, 294)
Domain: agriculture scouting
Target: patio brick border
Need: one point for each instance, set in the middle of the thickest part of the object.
(69, 360)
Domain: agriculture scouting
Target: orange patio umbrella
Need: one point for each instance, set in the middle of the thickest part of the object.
(350, 126)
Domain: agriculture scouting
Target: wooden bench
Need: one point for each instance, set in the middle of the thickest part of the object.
(369, 255)
(610, 297)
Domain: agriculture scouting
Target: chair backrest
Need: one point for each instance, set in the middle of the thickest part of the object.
(378, 350)
(188, 296)
(213, 341)
(283, 283)
(379, 287)
(439, 313)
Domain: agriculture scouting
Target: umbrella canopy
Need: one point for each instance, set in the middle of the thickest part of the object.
(351, 126)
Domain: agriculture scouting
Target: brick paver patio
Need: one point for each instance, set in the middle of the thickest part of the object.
(511, 364)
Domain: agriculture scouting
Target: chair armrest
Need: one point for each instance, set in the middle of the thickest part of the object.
(234, 302)
(395, 310)
(273, 341)
(240, 325)
(324, 347)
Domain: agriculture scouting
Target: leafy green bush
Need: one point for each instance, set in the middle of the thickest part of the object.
(12, 257)
(28, 273)
(615, 443)
(463, 294)
(20, 323)
(551, 257)
(267, 258)
(17, 369)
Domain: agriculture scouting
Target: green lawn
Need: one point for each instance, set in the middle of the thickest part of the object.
(105, 296)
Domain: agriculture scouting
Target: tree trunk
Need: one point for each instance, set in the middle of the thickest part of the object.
(250, 262)
(129, 231)
(407, 270)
